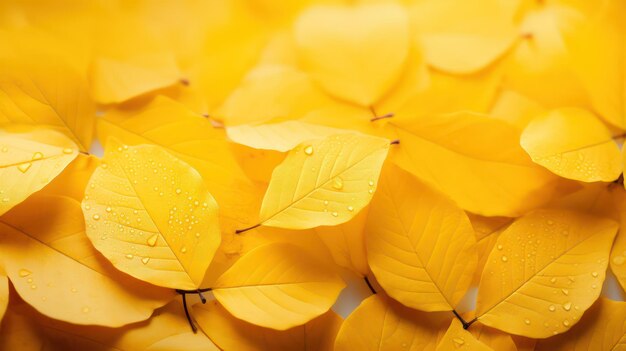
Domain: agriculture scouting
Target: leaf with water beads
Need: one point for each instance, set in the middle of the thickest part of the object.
(151, 215)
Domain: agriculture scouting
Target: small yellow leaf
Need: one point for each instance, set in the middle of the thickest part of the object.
(324, 182)
(278, 286)
(29, 161)
(456, 153)
(230, 333)
(346, 243)
(151, 215)
(463, 37)
(547, 268)
(602, 328)
(348, 67)
(574, 144)
(118, 80)
(420, 245)
(50, 261)
(381, 324)
(457, 338)
(282, 136)
(46, 92)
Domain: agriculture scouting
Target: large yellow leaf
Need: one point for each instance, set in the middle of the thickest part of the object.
(348, 67)
(46, 92)
(546, 270)
(420, 245)
(151, 215)
(457, 338)
(232, 334)
(49, 260)
(574, 144)
(602, 328)
(191, 138)
(381, 324)
(30, 160)
(346, 243)
(324, 182)
(118, 80)
(463, 37)
(282, 136)
(278, 286)
(474, 159)
(598, 53)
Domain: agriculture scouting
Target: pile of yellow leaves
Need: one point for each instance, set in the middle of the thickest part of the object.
(445, 174)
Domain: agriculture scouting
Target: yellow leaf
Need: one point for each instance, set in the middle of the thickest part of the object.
(457, 153)
(184, 342)
(602, 328)
(49, 260)
(381, 324)
(282, 136)
(28, 161)
(324, 182)
(463, 37)
(191, 138)
(574, 144)
(73, 180)
(49, 93)
(487, 230)
(118, 80)
(348, 67)
(258, 164)
(272, 91)
(457, 338)
(546, 270)
(420, 245)
(168, 220)
(493, 338)
(4, 293)
(346, 243)
(233, 334)
(277, 286)
(598, 53)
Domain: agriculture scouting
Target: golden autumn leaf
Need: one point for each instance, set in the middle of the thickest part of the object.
(191, 138)
(48, 259)
(46, 92)
(463, 37)
(29, 160)
(277, 286)
(381, 324)
(602, 328)
(351, 69)
(457, 338)
(230, 333)
(282, 136)
(574, 144)
(151, 215)
(324, 182)
(455, 153)
(420, 245)
(547, 268)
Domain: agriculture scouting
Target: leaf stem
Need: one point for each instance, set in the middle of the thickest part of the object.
(369, 285)
(193, 326)
(395, 142)
(239, 231)
(376, 118)
(202, 298)
(465, 324)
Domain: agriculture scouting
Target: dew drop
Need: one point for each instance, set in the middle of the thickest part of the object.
(85, 309)
(183, 250)
(33, 286)
(109, 209)
(566, 323)
(67, 151)
(153, 240)
(29, 280)
(371, 191)
(504, 258)
(325, 202)
(6, 199)
(371, 183)
(565, 291)
(350, 208)
(594, 286)
(197, 235)
(5, 149)
(567, 306)
(308, 150)
(458, 341)
(24, 273)
(178, 191)
(499, 247)
(87, 207)
(24, 167)
(129, 256)
(553, 280)
(527, 321)
(335, 214)
(145, 260)
(37, 156)
(594, 274)
(96, 217)
(552, 308)
(338, 183)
